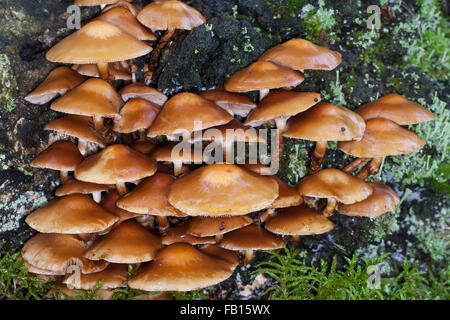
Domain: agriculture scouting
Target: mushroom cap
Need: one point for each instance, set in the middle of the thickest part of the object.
(167, 154)
(38, 271)
(263, 75)
(150, 197)
(299, 220)
(326, 122)
(58, 81)
(334, 183)
(109, 203)
(281, 103)
(382, 200)
(144, 147)
(113, 277)
(251, 237)
(383, 138)
(140, 90)
(126, 21)
(76, 126)
(79, 187)
(180, 267)
(287, 196)
(205, 226)
(76, 213)
(235, 103)
(127, 243)
(396, 108)
(97, 41)
(170, 14)
(56, 252)
(221, 253)
(217, 189)
(182, 110)
(134, 9)
(115, 69)
(301, 54)
(179, 233)
(136, 114)
(61, 155)
(234, 130)
(94, 97)
(90, 3)
(117, 163)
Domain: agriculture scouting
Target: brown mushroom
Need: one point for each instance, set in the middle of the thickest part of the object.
(179, 233)
(140, 90)
(73, 214)
(182, 111)
(334, 185)
(396, 108)
(62, 156)
(56, 252)
(116, 164)
(262, 76)
(109, 203)
(217, 189)
(144, 147)
(217, 227)
(322, 123)
(112, 277)
(127, 243)
(221, 253)
(116, 71)
(80, 187)
(180, 267)
(382, 200)
(250, 238)
(59, 81)
(136, 115)
(301, 54)
(80, 127)
(234, 103)
(98, 42)
(382, 138)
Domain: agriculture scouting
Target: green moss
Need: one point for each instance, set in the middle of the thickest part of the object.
(285, 9)
(293, 166)
(319, 20)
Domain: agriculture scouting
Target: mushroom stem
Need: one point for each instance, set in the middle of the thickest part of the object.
(370, 168)
(82, 146)
(121, 188)
(264, 215)
(154, 57)
(133, 69)
(263, 93)
(329, 209)
(177, 168)
(97, 196)
(103, 70)
(355, 164)
(317, 156)
(64, 176)
(218, 237)
(294, 239)
(98, 124)
(163, 223)
(248, 256)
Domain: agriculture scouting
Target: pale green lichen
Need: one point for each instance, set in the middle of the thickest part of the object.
(319, 19)
(8, 84)
(13, 207)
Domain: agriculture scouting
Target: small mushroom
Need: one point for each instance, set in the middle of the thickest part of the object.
(56, 252)
(112, 277)
(301, 54)
(221, 253)
(80, 187)
(62, 156)
(127, 243)
(382, 200)
(97, 42)
(234, 103)
(262, 76)
(179, 233)
(251, 238)
(77, 126)
(116, 164)
(180, 267)
(217, 227)
(382, 138)
(73, 214)
(140, 90)
(182, 111)
(298, 221)
(218, 189)
(334, 185)
(396, 108)
(109, 203)
(58, 82)
(322, 123)
(116, 71)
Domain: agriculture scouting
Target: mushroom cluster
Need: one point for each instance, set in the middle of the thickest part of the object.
(127, 200)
